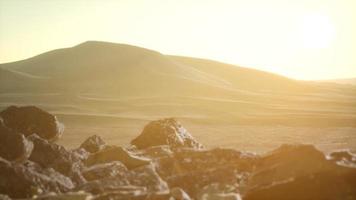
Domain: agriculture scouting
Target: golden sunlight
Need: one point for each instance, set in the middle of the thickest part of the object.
(316, 31)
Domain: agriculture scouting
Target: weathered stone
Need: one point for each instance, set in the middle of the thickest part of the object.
(300, 172)
(93, 144)
(13, 146)
(179, 194)
(192, 169)
(165, 132)
(344, 158)
(155, 152)
(147, 176)
(51, 155)
(28, 179)
(28, 120)
(4, 197)
(105, 170)
(116, 153)
(108, 185)
(66, 196)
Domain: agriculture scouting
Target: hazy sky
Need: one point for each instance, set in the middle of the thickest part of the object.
(303, 39)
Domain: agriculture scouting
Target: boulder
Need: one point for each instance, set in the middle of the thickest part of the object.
(93, 144)
(13, 146)
(4, 197)
(105, 170)
(109, 185)
(116, 153)
(28, 179)
(155, 152)
(193, 170)
(51, 155)
(146, 176)
(66, 196)
(165, 132)
(300, 172)
(179, 194)
(344, 158)
(28, 120)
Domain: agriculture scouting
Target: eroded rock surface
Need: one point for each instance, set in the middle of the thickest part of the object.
(116, 153)
(14, 146)
(93, 144)
(51, 155)
(165, 132)
(300, 172)
(25, 180)
(28, 120)
(163, 163)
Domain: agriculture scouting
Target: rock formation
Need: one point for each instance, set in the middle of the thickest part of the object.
(13, 146)
(165, 132)
(164, 163)
(29, 120)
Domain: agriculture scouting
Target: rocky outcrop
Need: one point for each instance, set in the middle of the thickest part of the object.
(300, 172)
(105, 170)
(116, 153)
(165, 132)
(25, 180)
(51, 155)
(164, 163)
(93, 144)
(13, 146)
(28, 120)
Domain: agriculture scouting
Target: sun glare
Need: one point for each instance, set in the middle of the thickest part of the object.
(316, 31)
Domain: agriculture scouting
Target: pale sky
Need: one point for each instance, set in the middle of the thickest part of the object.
(302, 39)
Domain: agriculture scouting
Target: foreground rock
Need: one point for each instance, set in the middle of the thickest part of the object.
(25, 180)
(164, 163)
(51, 155)
(93, 144)
(14, 146)
(28, 120)
(300, 172)
(115, 153)
(165, 132)
(198, 172)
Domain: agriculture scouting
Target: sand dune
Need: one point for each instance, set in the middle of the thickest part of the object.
(123, 87)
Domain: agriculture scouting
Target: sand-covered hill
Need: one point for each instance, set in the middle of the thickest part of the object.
(122, 87)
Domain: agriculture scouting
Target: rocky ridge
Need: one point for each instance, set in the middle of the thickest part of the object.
(164, 162)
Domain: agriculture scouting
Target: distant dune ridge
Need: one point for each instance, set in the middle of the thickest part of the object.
(122, 87)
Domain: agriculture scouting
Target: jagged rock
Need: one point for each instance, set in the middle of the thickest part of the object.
(93, 144)
(133, 195)
(115, 153)
(28, 179)
(28, 120)
(109, 185)
(147, 176)
(179, 194)
(155, 152)
(142, 180)
(192, 170)
(165, 132)
(217, 191)
(80, 154)
(221, 196)
(4, 197)
(300, 172)
(13, 146)
(344, 157)
(105, 170)
(51, 155)
(66, 196)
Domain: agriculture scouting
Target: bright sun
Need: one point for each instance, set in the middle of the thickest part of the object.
(316, 31)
